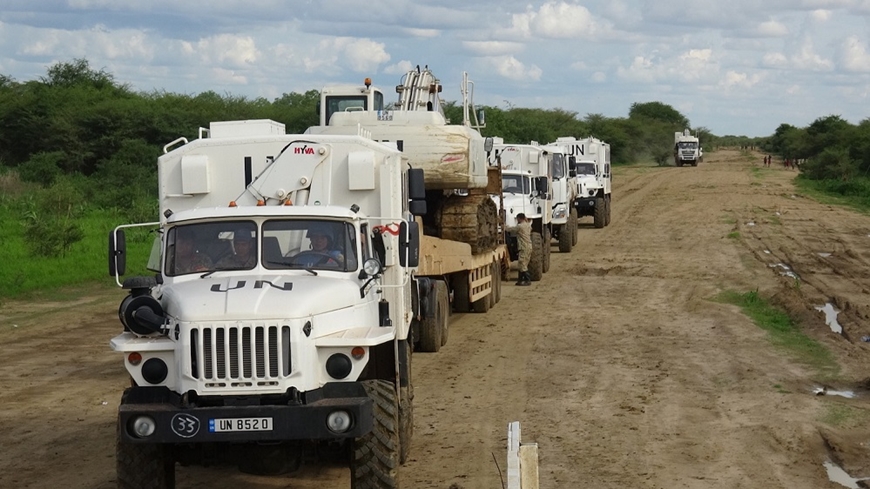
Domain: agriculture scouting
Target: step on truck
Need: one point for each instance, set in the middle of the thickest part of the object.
(526, 188)
(463, 255)
(589, 167)
(278, 325)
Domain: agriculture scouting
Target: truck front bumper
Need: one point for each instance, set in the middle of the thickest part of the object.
(175, 423)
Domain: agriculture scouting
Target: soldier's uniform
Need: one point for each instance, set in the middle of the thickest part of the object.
(524, 245)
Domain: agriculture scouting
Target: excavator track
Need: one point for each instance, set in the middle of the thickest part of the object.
(471, 219)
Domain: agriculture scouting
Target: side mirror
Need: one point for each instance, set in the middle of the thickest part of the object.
(572, 173)
(117, 253)
(416, 192)
(487, 144)
(409, 244)
(572, 162)
(481, 117)
(543, 185)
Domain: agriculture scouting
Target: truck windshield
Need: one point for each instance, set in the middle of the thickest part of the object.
(688, 145)
(585, 168)
(516, 184)
(350, 103)
(203, 247)
(316, 244)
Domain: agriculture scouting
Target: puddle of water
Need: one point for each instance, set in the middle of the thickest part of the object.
(838, 475)
(831, 317)
(824, 255)
(823, 391)
(786, 270)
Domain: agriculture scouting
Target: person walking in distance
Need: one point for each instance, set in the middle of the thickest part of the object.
(524, 246)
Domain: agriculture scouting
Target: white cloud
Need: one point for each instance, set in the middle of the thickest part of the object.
(821, 15)
(804, 58)
(399, 68)
(734, 79)
(424, 33)
(559, 20)
(513, 69)
(690, 66)
(854, 56)
(599, 77)
(492, 48)
(225, 49)
(772, 28)
(358, 55)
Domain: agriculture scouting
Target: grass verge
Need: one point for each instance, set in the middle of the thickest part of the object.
(855, 194)
(784, 333)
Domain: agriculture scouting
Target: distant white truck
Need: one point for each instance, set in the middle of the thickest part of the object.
(687, 149)
(589, 169)
(526, 188)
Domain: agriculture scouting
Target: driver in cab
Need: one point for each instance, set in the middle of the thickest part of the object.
(323, 252)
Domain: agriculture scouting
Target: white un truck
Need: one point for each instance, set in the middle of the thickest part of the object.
(526, 176)
(589, 166)
(687, 149)
(278, 325)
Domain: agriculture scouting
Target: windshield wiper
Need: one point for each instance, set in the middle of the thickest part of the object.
(206, 274)
(312, 272)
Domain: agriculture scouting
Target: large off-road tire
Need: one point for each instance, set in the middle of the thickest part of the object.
(573, 222)
(375, 459)
(406, 409)
(600, 212)
(432, 329)
(443, 308)
(546, 239)
(461, 292)
(144, 465)
(536, 263)
(565, 239)
(607, 215)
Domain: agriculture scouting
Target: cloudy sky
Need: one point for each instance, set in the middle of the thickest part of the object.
(735, 67)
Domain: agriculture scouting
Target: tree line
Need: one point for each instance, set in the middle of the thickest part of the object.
(82, 140)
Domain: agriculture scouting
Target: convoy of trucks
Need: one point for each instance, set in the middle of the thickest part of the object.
(295, 274)
(687, 149)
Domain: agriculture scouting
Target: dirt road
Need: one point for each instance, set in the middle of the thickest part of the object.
(619, 364)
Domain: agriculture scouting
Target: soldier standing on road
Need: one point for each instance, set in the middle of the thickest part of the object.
(524, 245)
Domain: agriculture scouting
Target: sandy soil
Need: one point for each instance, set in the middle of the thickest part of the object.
(618, 364)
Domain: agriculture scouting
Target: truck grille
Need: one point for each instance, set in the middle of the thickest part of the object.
(239, 355)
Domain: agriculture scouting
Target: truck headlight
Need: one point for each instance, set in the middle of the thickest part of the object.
(154, 371)
(338, 421)
(338, 366)
(560, 212)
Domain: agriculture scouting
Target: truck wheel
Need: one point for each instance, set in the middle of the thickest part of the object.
(443, 309)
(461, 294)
(546, 239)
(565, 239)
(431, 329)
(406, 409)
(144, 465)
(572, 220)
(536, 263)
(607, 214)
(375, 458)
(600, 212)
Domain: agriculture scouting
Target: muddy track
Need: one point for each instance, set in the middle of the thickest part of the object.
(619, 363)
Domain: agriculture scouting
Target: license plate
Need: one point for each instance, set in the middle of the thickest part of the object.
(229, 425)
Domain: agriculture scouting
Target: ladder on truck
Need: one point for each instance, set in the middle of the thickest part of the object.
(419, 91)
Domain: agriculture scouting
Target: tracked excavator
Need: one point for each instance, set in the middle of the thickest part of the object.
(452, 156)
